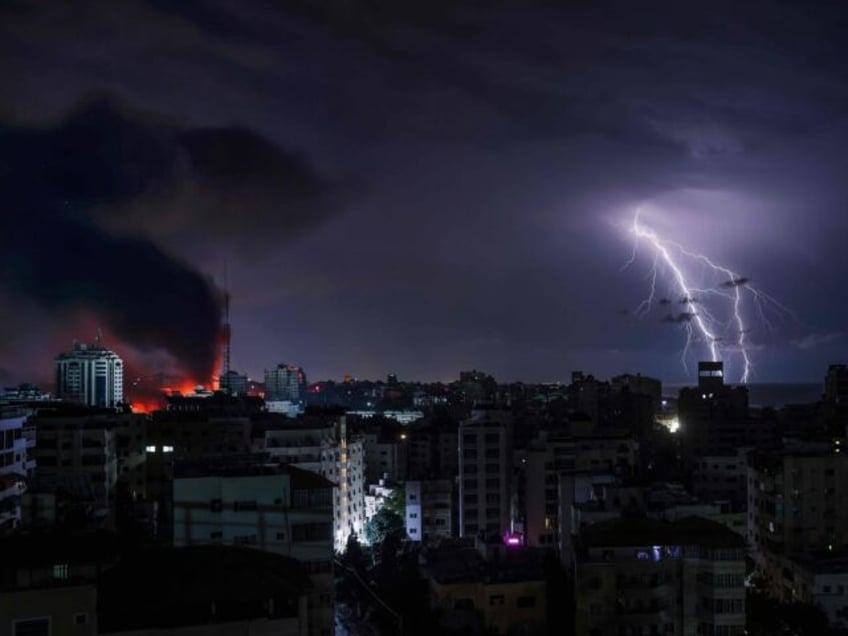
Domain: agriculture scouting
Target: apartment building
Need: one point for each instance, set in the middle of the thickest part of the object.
(430, 509)
(256, 502)
(16, 465)
(505, 592)
(797, 504)
(644, 576)
(485, 471)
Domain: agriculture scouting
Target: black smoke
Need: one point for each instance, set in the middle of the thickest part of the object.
(80, 196)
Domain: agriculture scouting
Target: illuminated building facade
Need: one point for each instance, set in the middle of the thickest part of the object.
(15, 466)
(343, 463)
(90, 374)
(322, 445)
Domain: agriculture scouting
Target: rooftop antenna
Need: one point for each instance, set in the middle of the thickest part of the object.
(98, 339)
(225, 367)
(225, 363)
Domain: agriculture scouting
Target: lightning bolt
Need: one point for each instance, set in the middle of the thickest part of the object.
(698, 321)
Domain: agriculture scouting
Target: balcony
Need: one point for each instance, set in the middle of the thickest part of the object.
(633, 607)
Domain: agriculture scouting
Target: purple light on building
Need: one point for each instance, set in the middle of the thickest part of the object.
(513, 539)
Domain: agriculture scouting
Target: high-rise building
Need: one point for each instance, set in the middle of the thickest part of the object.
(285, 382)
(798, 504)
(429, 509)
(485, 469)
(321, 443)
(714, 417)
(15, 465)
(90, 374)
(76, 445)
(836, 384)
(644, 576)
(252, 501)
(233, 382)
(343, 462)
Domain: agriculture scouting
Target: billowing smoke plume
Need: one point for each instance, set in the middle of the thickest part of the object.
(80, 199)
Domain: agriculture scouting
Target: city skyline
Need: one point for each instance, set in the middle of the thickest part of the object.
(416, 189)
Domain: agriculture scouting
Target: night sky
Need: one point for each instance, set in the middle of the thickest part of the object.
(418, 187)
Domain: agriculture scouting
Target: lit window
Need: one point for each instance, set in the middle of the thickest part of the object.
(167, 449)
(60, 571)
(150, 449)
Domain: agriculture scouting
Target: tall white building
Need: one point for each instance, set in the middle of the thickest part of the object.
(90, 375)
(343, 462)
(324, 446)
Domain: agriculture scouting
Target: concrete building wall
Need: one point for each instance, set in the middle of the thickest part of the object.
(14, 465)
(414, 516)
(514, 607)
(76, 446)
(485, 461)
(70, 610)
(262, 511)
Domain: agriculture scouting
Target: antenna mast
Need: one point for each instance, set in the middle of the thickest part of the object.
(225, 367)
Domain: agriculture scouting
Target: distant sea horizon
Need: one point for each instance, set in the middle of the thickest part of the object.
(774, 394)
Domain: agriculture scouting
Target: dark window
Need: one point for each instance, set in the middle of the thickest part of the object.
(244, 505)
(215, 505)
(31, 627)
(311, 532)
(525, 601)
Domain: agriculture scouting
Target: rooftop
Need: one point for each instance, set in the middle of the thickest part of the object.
(641, 531)
(195, 585)
(246, 465)
(39, 549)
(459, 561)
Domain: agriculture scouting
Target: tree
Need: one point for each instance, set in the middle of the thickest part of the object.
(353, 555)
(396, 502)
(384, 524)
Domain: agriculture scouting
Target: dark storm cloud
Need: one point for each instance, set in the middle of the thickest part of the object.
(60, 183)
(498, 141)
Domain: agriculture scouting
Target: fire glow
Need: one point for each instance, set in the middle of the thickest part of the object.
(148, 401)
